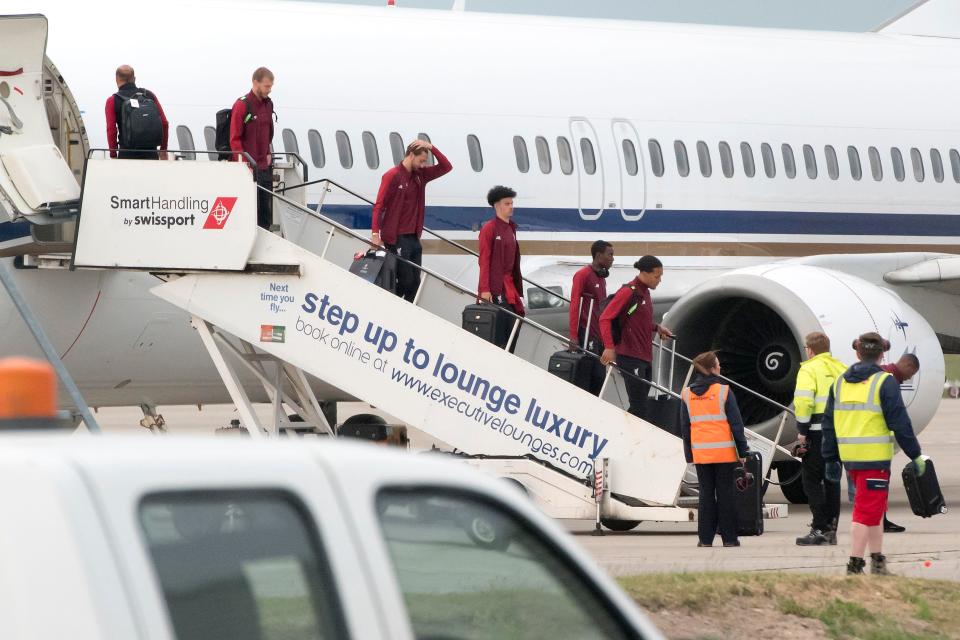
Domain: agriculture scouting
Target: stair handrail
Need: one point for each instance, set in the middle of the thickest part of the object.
(456, 285)
(433, 233)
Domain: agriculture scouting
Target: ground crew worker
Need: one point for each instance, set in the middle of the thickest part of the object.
(251, 131)
(903, 370)
(713, 440)
(817, 374)
(632, 310)
(399, 211)
(588, 291)
(500, 279)
(151, 131)
(863, 416)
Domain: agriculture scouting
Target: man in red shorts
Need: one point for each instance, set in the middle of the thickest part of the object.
(863, 417)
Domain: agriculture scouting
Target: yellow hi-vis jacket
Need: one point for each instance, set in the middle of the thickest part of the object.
(862, 432)
(814, 380)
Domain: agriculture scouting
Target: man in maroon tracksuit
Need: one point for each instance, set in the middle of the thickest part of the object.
(127, 88)
(500, 279)
(589, 290)
(399, 210)
(251, 130)
(632, 309)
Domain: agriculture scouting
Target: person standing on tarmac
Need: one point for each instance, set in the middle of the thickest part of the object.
(130, 95)
(251, 131)
(863, 416)
(500, 279)
(903, 370)
(713, 440)
(817, 374)
(399, 211)
(632, 309)
(589, 290)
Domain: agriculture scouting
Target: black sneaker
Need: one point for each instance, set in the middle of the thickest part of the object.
(855, 566)
(735, 543)
(814, 538)
(878, 565)
(704, 544)
(831, 536)
(892, 527)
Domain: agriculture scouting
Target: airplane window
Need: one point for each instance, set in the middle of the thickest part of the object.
(543, 154)
(916, 158)
(520, 149)
(833, 165)
(656, 157)
(290, 144)
(630, 157)
(396, 147)
(856, 172)
(936, 165)
(897, 158)
(876, 167)
(789, 162)
(769, 161)
(810, 160)
(683, 164)
(955, 164)
(589, 160)
(566, 155)
(344, 150)
(210, 136)
(185, 142)
(746, 152)
(476, 155)
(703, 156)
(726, 160)
(316, 148)
(426, 138)
(370, 150)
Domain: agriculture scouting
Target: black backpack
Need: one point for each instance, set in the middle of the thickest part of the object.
(222, 141)
(140, 123)
(616, 327)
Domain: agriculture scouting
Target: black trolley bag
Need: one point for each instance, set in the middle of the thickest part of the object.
(576, 367)
(489, 322)
(663, 410)
(749, 501)
(923, 492)
(378, 267)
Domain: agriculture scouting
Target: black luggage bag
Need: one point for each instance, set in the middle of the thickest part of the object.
(378, 267)
(488, 321)
(923, 492)
(750, 501)
(664, 412)
(576, 367)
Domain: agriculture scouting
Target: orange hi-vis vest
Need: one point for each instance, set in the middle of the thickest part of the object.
(711, 438)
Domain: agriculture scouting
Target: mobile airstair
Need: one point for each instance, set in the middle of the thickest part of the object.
(286, 308)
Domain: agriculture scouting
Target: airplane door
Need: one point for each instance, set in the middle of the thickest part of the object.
(589, 168)
(630, 170)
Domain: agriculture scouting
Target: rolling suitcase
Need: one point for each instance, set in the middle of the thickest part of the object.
(923, 492)
(749, 502)
(378, 267)
(488, 321)
(576, 367)
(664, 412)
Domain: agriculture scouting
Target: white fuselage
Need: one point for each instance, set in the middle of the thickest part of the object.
(529, 91)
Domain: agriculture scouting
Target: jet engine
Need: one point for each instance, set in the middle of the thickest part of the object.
(756, 319)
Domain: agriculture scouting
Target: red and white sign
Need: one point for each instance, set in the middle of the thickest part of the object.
(219, 212)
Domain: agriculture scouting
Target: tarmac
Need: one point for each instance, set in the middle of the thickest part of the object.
(930, 548)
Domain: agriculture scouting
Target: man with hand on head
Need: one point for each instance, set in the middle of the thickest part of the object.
(399, 211)
(632, 311)
(863, 417)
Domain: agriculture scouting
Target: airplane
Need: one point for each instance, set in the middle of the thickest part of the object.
(781, 175)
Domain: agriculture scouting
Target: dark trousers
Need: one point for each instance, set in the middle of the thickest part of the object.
(637, 386)
(823, 496)
(408, 277)
(264, 198)
(598, 372)
(717, 510)
(124, 154)
(501, 301)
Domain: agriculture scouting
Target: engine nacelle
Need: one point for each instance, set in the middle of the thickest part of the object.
(756, 319)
